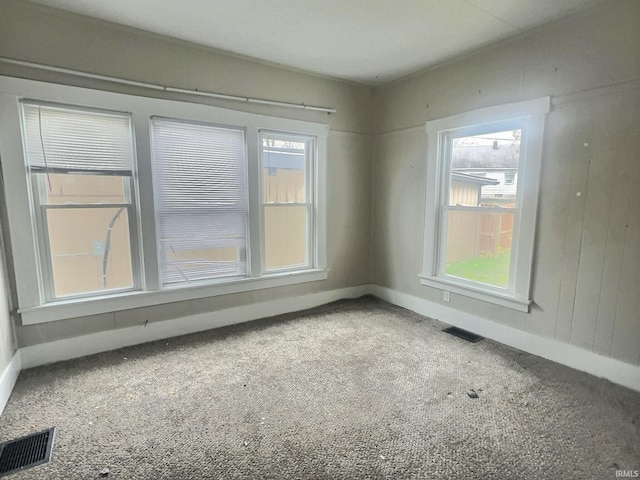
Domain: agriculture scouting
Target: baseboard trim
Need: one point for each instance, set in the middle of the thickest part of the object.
(616, 371)
(8, 379)
(75, 347)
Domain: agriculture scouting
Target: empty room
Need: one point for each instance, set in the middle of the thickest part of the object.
(320, 239)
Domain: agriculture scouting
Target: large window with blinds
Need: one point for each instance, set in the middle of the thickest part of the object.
(80, 164)
(117, 202)
(201, 200)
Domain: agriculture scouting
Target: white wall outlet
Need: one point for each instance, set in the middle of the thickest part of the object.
(446, 296)
(98, 248)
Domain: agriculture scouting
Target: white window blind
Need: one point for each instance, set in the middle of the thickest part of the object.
(201, 200)
(61, 139)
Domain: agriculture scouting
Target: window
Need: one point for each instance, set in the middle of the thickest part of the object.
(478, 228)
(509, 178)
(287, 166)
(201, 200)
(81, 168)
(118, 202)
(479, 224)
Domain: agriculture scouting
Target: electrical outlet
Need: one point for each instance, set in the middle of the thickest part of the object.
(98, 248)
(446, 296)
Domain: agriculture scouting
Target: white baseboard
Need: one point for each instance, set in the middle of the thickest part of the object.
(622, 373)
(75, 347)
(8, 379)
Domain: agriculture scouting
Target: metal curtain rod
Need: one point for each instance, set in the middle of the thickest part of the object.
(200, 93)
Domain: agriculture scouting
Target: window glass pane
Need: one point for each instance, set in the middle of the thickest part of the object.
(484, 169)
(283, 164)
(478, 246)
(90, 249)
(285, 236)
(201, 200)
(484, 173)
(286, 208)
(200, 245)
(61, 189)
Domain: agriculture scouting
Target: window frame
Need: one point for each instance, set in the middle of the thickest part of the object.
(445, 141)
(310, 200)
(531, 115)
(41, 227)
(34, 306)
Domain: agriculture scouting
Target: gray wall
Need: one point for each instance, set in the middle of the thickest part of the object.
(39, 34)
(587, 260)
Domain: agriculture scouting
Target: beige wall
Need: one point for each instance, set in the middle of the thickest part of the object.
(587, 259)
(39, 34)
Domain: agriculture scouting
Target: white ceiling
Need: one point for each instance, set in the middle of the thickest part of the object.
(367, 41)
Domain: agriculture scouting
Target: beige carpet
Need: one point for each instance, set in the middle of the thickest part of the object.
(355, 389)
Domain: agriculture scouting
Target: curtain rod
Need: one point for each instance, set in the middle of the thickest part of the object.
(200, 93)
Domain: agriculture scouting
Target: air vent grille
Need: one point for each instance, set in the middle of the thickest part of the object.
(464, 334)
(26, 452)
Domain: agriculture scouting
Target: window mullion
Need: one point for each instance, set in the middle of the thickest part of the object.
(148, 258)
(319, 201)
(256, 210)
(442, 239)
(310, 160)
(71, 206)
(137, 276)
(310, 260)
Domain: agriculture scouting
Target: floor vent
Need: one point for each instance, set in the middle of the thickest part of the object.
(465, 335)
(26, 452)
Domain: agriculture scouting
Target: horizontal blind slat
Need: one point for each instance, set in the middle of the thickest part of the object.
(57, 137)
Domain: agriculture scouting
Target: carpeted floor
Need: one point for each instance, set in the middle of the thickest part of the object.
(355, 389)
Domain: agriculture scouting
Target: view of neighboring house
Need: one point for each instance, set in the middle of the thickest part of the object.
(484, 173)
(501, 186)
(467, 188)
(495, 157)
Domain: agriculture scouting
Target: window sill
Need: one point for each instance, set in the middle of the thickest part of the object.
(504, 300)
(63, 309)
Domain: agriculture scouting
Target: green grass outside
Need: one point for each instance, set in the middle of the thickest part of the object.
(489, 269)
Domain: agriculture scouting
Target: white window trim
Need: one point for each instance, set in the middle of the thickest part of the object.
(534, 113)
(33, 307)
(79, 307)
